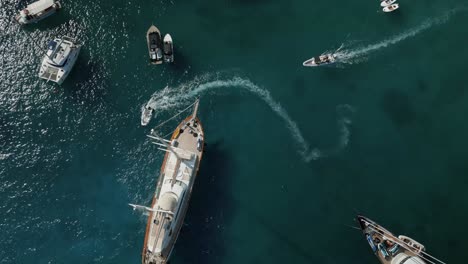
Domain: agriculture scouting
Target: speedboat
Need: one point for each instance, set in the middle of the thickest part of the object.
(385, 3)
(146, 114)
(59, 59)
(37, 11)
(321, 60)
(390, 8)
(168, 49)
(391, 249)
(153, 37)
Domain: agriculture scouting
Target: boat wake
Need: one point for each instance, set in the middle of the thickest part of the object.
(357, 55)
(170, 98)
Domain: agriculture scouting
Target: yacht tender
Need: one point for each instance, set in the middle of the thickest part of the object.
(37, 11)
(390, 249)
(168, 49)
(153, 37)
(321, 60)
(173, 190)
(59, 59)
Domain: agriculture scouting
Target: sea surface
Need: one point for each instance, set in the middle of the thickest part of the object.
(293, 153)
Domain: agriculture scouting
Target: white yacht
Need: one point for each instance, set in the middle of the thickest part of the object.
(385, 3)
(59, 60)
(391, 249)
(173, 190)
(37, 11)
(321, 60)
(153, 38)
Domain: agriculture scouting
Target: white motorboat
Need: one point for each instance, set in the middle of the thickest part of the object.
(59, 60)
(37, 11)
(385, 3)
(390, 8)
(321, 60)
(153, 37)
(146, 115)
(168, 49)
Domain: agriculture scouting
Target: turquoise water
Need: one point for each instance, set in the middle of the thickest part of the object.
(293, 153)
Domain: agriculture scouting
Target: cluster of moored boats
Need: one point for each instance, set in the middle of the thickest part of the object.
(62, 52)
(389, 5)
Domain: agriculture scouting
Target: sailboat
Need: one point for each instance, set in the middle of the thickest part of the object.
(174, 187)
(391, 249)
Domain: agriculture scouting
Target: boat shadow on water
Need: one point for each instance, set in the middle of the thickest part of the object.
(202, 237)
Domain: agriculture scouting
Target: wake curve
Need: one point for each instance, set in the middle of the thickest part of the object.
(169, 98)
(357, 55)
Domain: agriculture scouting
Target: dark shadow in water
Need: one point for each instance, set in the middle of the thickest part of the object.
(181, 62)
(201, 239)
(397, 105)
(288, 243)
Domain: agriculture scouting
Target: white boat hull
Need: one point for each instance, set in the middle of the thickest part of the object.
(387, 3)
(390, 8)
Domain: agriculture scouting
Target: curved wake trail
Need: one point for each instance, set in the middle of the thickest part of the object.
(356, 55)
(169, 98)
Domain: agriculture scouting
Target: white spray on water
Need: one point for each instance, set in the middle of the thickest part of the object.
(357, 55)
(171, 98)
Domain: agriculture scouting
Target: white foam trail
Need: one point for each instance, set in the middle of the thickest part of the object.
(358, 55)
(169, 98)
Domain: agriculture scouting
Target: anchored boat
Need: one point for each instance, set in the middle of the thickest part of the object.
(59, 59)
(174, 187)
(390, 8)
(321, 60)
(168, 49)
(37, 11)
(385, 3)
(153, 37)
(390, 249)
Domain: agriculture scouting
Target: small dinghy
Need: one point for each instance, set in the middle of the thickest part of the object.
(37, 11)
(168, 49)
(390, 8)
(153, 37)
(385, 3)
(146, 115)
(321, 60)
(59, 59)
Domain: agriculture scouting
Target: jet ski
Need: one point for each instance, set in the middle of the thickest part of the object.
(390, 8)
(321, 60)
(385, 3)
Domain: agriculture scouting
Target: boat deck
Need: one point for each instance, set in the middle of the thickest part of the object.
(50, 73)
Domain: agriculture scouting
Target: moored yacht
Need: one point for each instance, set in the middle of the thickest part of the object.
(321, 60)
(168, 49)
(59, 59)
(390, 249)
(153, 37)
(37, 11)
(173, 190)
(390, 8)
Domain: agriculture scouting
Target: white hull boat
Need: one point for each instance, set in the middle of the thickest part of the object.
(59, 60)
(37, 11)
(385, 3)
(321, 60)
(183, 154)
(168, 49)
(153, 37)
(390, 8)
(392, 249)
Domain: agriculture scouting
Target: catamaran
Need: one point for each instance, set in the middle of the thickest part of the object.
(59, 59)
(153, 37)
(37, 11)
(321, 60)
(390, 249)
(174, 187)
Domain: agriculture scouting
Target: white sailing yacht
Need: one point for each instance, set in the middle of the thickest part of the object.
(173, 190)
